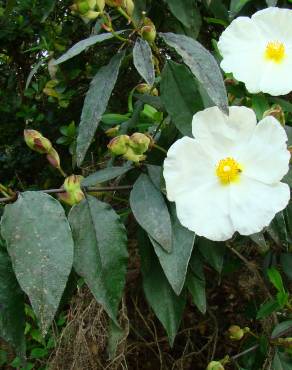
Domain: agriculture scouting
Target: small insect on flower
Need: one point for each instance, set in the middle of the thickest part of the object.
(258, 51)
(227, 178)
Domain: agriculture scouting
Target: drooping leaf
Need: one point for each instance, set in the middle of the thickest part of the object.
(105, 174)
(40, 245)
(150, 211)
(213, 252)
(82, 45)
(185, 11)
(143, 60)
(180, 95)
(95, 104)
(167, 306)
(12, 318)
(202, 64)
(175, 264)
(280, 329)
(100, 251)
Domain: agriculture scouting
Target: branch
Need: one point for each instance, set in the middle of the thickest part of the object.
(85, 189)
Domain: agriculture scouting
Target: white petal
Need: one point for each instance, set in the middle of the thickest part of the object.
(274, 23)
(188, 165)
(265, 157)
(254, 204)
(206, 211)
(224, 133)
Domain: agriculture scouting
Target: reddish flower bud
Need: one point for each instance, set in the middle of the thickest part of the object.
(36, 141)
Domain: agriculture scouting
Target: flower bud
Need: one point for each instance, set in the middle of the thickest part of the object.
(114, 3)
(236, 332)
(128, 5)
(139, 142)
(37, 142)
(277, 112)
(146, 89)
(119, 145)
(113, 131)
(148, 31)
(53, 158)
(73, 194)
(83, 7)
(100, 4)
(91, 14)
(132, 155)
(215, 365)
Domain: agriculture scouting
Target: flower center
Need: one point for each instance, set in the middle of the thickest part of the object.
(275, 51)
(228, 170)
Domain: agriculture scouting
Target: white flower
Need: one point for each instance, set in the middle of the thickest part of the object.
(258, 51)
(227, 178)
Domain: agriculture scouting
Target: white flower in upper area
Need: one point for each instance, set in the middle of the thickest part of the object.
(227, 178)
(258, 51)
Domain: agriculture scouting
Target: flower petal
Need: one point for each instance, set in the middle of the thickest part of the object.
(224, 133)
(254, 204)
(265, 157)
(206, 211)
(188, 165)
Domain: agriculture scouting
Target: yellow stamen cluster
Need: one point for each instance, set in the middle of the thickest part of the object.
(228, 170)
(275, 51)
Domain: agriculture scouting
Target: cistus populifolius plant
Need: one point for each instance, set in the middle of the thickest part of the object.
(170, 184)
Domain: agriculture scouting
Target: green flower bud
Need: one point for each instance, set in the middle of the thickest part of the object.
(133, 156)
(236, 333)
(277, 112)
(113, 131)
(83, 7)
(53, 158)
(73, 194)
(128, 5)
(215, 365)
(139, 142)
(148, 31)
(91, 15)
(119, 145)
(100, 4)
(37, 142)
(146, 89)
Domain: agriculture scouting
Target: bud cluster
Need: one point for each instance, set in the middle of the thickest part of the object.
(37, 142)
(236, 333)
(131, 147)
(88, 9)
(74, 193)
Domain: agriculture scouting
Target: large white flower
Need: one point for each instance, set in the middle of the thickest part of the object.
(227, 178)
(258, 51)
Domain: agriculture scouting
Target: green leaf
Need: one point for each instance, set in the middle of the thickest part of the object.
(276, 279)
(281, 328)
(175, 264)
(180, 95)
(236, 6)
(150, 211)
(288, 177)
(213, 252)
(95, 104)
(100, 255)
(286, 262)
(282, 361)
(202, 64)
(82, 45)
(143, 60)
(185, 11)
(105, 174)
(39, 353)
(268, 308)
(34, 71)
(12, 318)
(40, 245)
(167, 306)
(197, 288)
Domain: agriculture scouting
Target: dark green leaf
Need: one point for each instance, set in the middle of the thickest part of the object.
(100, 251)
(276, 279)
(175, 264)
(95, 104)
(286, 262)
(197, 288)
(105, 174)
(39, 353)
(268, 308)
(150, 211)
(282, 361)
(154, 101)
(40, 245)
(12, 318)
(82, 45)
(155, 174)
(281, 328)
(185, 11)
(168, 307)
(180, 95)
(143, 61)
(236, 6)
(213, 252)
(202, 64)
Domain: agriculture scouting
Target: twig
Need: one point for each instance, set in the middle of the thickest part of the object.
(85, 189)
